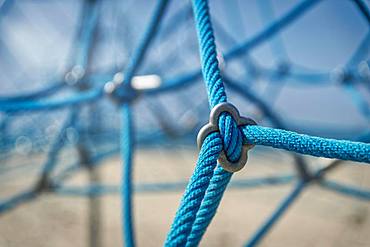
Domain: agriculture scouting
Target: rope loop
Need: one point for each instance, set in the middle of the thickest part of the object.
(226, 120)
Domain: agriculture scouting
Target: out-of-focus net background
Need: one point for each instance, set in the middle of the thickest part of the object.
(310, 75)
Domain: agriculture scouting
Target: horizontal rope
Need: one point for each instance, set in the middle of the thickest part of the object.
(259, 38)
(272, 29)
(48, 105)
(305, 144)
(51, 88)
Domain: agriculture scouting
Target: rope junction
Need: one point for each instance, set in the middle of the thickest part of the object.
(223, 142)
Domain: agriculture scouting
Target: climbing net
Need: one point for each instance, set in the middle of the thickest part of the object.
(83, 95)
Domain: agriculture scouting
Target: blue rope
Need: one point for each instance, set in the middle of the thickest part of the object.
(347, 190)
(57, 145)
(359, 100)
(361, 5)
(305, 144)
(14, 201)
(128, 126)
(276, 215)
(272, 29)
(290, 199)
(81, 54)
(149, 34)
(127, 150)
(55, 86)
(205, 189)
(48, 105)
(213, 80)
(104, 189)
(86, 37)
(210, 203)
(259, 38)
(208, 183)
(247, 93)
(195, 190)
(267, 14)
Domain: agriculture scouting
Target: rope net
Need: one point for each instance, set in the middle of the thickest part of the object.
(104, 82)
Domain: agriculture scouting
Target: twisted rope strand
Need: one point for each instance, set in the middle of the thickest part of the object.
(204, 193)
(194, 193)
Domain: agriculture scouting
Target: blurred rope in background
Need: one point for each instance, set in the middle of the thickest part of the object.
(77, 108)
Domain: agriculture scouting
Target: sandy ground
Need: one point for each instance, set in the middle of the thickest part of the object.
(318, 218)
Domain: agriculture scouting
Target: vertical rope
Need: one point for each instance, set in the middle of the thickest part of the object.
(127, 149)
(127, 131)
(208, 54)
(208, 208)
(195, 190)
(207, 184)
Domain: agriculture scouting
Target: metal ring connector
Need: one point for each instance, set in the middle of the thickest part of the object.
(119, 91)
(212, 126)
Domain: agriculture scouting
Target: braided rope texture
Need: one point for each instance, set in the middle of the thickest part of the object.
(127, 147)
(207, 185)
(209, 181)
(231, 135)
(304, 144)
(195, 191)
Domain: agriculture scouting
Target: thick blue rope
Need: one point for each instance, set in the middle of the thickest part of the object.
(228, 130)
(291, 141)
(305, 144)
(205, 188)
(200, 201)
(194, 193)
(210, 203)
(213, 80)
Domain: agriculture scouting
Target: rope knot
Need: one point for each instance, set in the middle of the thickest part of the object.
(225, 119)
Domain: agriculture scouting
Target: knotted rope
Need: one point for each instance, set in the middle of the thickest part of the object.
(209, 180)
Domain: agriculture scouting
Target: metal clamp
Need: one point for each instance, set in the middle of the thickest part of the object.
(212, 126)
